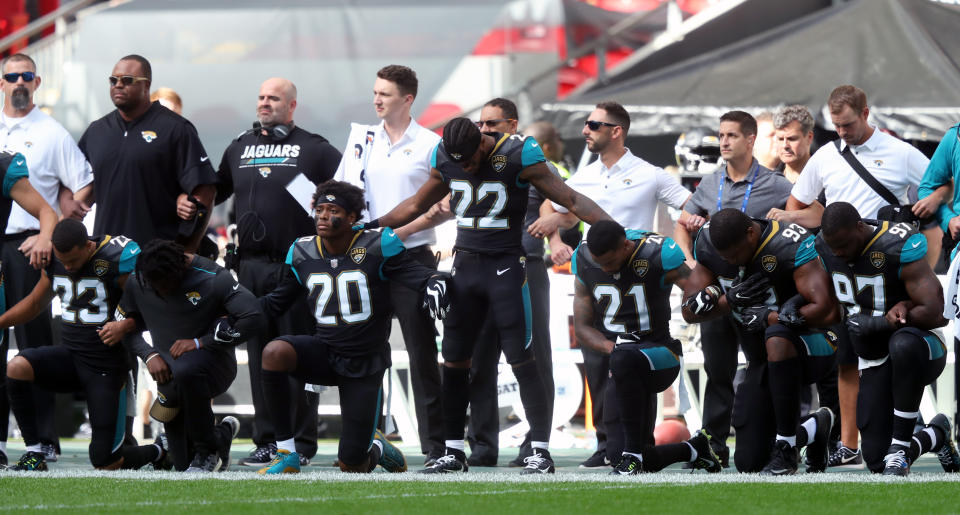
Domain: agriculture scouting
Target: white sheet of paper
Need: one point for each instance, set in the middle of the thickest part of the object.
(302, 190)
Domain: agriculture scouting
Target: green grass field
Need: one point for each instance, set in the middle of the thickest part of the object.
(72, 487)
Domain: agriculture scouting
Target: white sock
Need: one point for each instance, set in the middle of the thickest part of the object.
(540, 445)
(455, 444)
(159, 451)
(810, 426)
(638, 456)
(792, 440)
(693, 452)
(894, 441)
(379, 444)
(287, 445)
(34, 448)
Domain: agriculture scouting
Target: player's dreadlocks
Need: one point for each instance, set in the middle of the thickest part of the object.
(161, 265)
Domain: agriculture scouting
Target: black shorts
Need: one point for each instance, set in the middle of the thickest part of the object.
(359, 396)
(55, 369)
(497, 282)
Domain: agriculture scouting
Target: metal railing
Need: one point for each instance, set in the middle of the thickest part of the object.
(56, 18)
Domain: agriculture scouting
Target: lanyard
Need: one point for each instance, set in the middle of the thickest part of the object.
(746, 194)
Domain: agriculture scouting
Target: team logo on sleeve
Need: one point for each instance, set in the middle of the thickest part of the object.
(499, 162)
(148, 136)
(358, 254)
(640, 267)
(877, 259)
(100, 267)
(193, 297)
(768, 262)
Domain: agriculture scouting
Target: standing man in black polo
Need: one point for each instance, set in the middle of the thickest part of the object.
(263, 167)
(144, 156)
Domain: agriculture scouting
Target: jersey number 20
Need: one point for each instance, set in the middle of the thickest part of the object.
(347, 284)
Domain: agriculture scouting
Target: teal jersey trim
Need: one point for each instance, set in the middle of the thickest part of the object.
(390, 245)
(660, 358)
(120, 429)
(914, 249)
(573, 263)
(289, 262)
(817, 344)
(16, 171)
(937, 349)
(128, 258)
(204, 271)
(433, 156)
(531, 153)
(671, 256)
(806, 252)
(527, 316)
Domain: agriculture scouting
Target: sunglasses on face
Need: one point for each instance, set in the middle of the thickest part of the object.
(493, 123)
(126, 80)
(595, 125)
(14, 77)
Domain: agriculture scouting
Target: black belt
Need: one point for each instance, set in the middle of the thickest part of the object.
(19, 235)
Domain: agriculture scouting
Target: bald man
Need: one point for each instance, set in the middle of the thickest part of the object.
(258, 166)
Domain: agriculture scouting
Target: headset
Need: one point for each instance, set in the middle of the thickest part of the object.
(277, 133)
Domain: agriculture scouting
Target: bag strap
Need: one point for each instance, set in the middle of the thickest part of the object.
(865, 175)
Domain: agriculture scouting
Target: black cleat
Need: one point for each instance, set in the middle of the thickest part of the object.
(261, 456)
(947, 453)
(817, 450)
(597, 460)
(520, 461)
(707, 458)
(49, 452)
(164, 462)
(3, 460)
(455, 461)
(31, 461)
(896, 462)
(783, 460)
(539, 462)
(629, 465)
(232, 426)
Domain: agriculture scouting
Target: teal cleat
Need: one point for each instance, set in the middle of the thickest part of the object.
(391, 459)
(285, 462)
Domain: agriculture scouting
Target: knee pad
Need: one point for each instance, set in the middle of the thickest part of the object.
(914, 345)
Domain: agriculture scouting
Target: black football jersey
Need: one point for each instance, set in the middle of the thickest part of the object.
(871, 284)
(89, 297)
(490, 204)
(635, 299)
(350, 293)
(13, 167)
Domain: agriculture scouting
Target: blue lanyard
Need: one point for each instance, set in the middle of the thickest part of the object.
(746, 194)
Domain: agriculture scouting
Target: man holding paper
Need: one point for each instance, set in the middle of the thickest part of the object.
(273, 168)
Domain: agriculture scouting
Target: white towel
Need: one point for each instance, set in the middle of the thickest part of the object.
(951, 306)
(356, 154)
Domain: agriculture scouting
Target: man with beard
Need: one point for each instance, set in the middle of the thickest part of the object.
(56, 166)
(144, 156)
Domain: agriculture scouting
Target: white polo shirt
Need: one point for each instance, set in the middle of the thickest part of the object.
(896, 164)
(394, 172)
(629, 190)
(52, 158)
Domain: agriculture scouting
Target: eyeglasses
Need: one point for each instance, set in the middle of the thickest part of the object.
(595, 125)
(14, 77)
(125, 79)
(494, 122)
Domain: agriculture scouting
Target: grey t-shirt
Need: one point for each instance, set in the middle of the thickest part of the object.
(770, 190)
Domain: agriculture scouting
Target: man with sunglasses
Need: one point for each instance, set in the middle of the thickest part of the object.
(56, 167)
(628, 188)
(144, 156)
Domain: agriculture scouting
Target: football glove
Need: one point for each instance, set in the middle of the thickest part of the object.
(751, 291)
(703, 301)
(435, 298)
(861, 325)
(790, 312)
(754, 318)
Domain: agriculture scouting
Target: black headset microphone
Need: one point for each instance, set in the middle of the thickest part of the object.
(277, 133)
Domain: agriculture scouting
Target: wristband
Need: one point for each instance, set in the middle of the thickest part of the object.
(147, 361)
(373, 224)
(197, 343)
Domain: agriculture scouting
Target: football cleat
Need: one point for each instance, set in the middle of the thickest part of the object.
(539, 462)
(3, 460)
(204, 463)
(49, 452)
(165, 461)
(285, 462)
(232, 426)
(783, 460)
(896, 462)
(523, 454)
(818, 455)
(391, 459)
(304, 461)
(431, 458)
(844, 457)
(261, 456)
(31, 460)
(447, 464)
(707, 458)
(629, 465)
(947, 453)
(597, 460)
